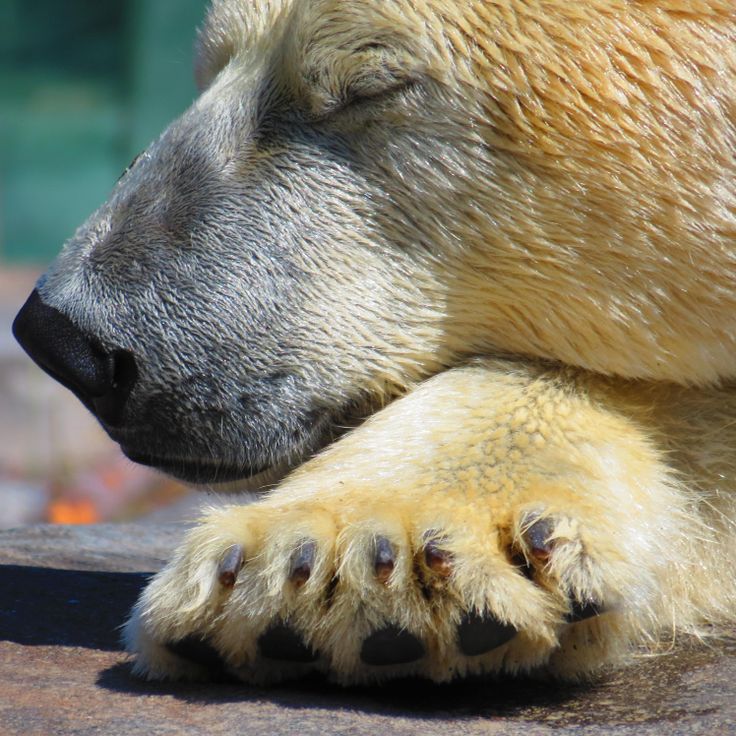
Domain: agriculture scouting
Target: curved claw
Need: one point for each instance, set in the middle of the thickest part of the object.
(384, 559)
(438, 560)
(230, 565)
(302, 562)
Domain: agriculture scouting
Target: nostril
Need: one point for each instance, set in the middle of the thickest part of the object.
(110, 407)
(124, 370)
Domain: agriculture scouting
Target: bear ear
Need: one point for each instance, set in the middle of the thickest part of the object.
(348, 53)
(229, 28)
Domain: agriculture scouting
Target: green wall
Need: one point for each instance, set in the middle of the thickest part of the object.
(84, 86)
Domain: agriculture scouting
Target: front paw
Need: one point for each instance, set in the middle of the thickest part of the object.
(268, 592)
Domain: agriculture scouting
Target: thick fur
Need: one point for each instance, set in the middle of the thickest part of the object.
(518, 217)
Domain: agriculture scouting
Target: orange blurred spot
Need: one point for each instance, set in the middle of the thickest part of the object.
(73, 512)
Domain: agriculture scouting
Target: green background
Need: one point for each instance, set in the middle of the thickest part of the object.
(85, 85)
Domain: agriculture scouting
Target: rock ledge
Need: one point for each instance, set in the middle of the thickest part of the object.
(64, 592)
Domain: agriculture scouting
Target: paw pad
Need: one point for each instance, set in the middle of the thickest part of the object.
(481, 634)
(282, 643)
(391, 646)
(580, 611)
(196, 649)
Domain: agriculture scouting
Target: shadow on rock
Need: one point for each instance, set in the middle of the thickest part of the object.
(685, 686)
(407, 698)
(46, 606)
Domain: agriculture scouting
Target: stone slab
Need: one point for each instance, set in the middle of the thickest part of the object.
(64, 592)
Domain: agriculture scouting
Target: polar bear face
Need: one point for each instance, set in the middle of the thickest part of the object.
(366, 193)
(254, 262)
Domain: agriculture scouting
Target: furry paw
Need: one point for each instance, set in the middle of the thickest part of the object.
(266, 593)
(492, 521)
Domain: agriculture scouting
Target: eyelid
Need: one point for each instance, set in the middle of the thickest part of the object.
(356, 100)
(388, 91)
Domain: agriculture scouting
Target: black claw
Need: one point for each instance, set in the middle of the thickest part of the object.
(230, 565)
(302, 562)
(538, 536)
(384, 559)
(480, 634)
(198, 650)
(282, 643)
(438, 560)
(391, 646)
(580, 611)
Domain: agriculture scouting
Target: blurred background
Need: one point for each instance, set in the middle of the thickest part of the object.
(84, 86)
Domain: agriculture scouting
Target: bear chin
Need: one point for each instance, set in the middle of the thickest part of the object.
(198, 472)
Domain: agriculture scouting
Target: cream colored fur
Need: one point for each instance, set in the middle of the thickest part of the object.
(577, 198)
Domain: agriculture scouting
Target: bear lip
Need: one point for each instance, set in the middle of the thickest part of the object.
(193, 471)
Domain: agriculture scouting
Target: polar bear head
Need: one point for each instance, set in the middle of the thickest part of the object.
(252, 286)
(366, 192)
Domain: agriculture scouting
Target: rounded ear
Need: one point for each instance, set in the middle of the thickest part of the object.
(343, 52)
(229, 28)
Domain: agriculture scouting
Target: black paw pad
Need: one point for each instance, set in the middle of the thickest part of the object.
(480, 634)
(198, 650)
(284, 644)
(391, 646)
(579, 611)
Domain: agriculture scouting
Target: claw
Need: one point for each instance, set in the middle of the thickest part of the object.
(230, 565)
(438, 560)
(384, 559)
(538, 536)
(302, 562)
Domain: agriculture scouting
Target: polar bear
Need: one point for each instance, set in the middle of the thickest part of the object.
(454, 283)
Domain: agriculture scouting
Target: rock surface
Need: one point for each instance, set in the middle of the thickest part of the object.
(64, 592)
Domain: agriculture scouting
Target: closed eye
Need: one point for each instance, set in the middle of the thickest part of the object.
(357, 96)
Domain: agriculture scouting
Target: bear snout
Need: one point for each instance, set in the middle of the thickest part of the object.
(102, 379)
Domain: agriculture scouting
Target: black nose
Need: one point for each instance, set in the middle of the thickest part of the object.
(102, 379)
